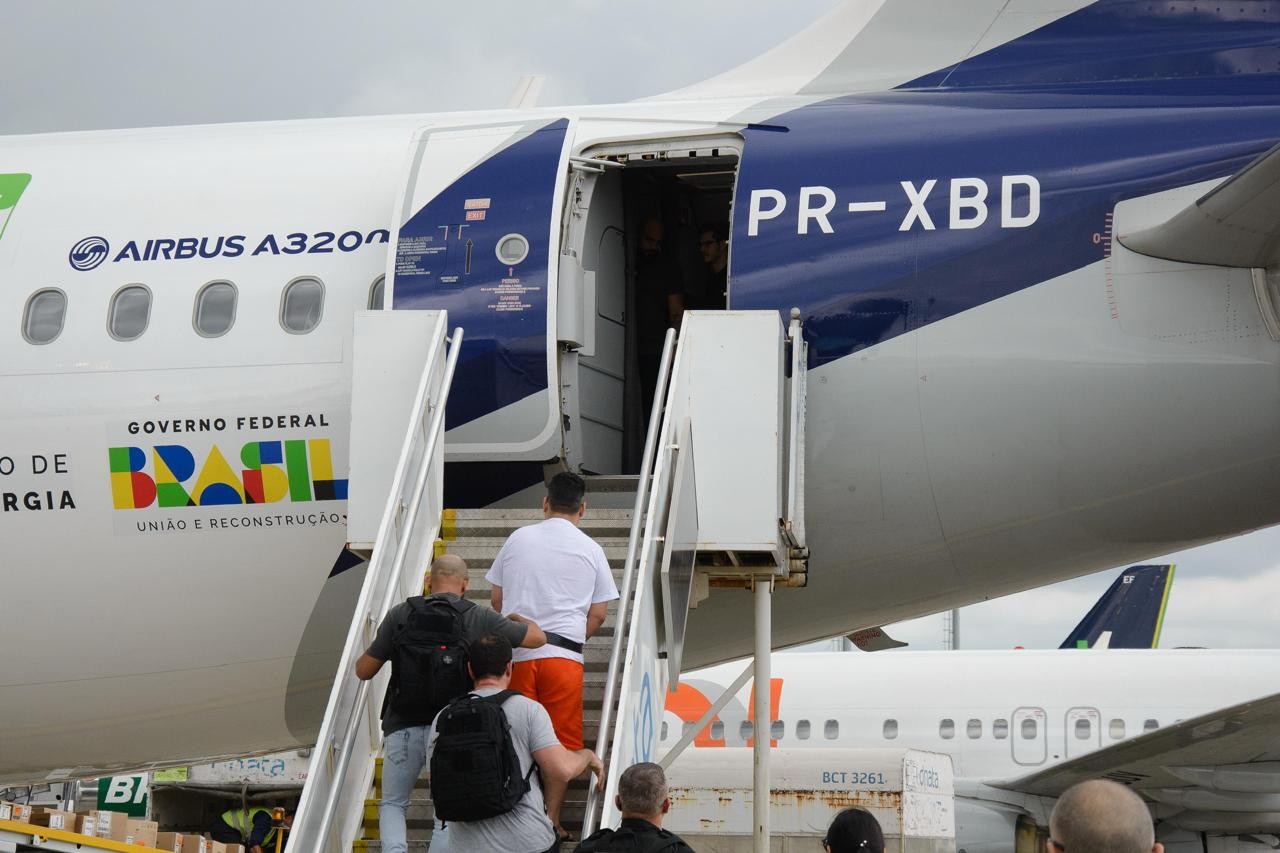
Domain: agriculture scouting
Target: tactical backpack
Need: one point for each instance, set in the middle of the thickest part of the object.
(475, 771)
(430, 668)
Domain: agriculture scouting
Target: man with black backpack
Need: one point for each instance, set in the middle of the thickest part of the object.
(483, 750)
(427, 639)
(642, 799)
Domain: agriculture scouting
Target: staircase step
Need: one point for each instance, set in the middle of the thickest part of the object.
(482, 554)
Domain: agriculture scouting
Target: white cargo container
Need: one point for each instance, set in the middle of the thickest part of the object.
(910, 792)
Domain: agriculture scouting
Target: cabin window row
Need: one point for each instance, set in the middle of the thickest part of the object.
(1028, 729)
(129, 313)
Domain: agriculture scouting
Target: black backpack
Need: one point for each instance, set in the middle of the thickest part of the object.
(475, 771)
(430, 667)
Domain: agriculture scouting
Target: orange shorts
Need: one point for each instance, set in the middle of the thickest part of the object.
(555, 683)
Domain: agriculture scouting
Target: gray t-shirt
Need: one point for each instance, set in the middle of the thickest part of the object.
(476, 622)
(526, 828)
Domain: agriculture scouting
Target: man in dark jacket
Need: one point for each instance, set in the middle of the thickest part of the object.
(642, 799)
(255, 828)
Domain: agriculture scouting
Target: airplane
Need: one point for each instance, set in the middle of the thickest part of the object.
(1004, 716)
(1028, 240)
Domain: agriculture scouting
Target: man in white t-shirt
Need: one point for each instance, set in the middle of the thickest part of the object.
(558, 577)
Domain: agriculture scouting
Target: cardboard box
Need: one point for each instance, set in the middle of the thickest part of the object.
(170, 841)
(239, 848)
(112, 825)
(55, 819)
(87, 824)
(215, 847)
(15, 811)
(177, 842)
(142, 833)
(194, 844)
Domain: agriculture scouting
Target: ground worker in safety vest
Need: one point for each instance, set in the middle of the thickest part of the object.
(254, 828)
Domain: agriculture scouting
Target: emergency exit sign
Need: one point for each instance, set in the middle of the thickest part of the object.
(126, 794)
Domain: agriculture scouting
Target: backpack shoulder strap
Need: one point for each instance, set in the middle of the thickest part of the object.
(501, 697)
(462, 605)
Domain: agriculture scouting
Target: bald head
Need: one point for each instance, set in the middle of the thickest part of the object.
(1099, 816)
(448, 574)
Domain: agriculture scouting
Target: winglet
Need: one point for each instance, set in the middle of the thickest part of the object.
(527, 91)
(874, 640)
(1129, 615)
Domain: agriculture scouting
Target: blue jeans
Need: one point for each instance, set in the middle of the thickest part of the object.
(403, 755)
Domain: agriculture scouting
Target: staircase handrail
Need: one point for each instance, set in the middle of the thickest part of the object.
(629, 571)
(383, 570)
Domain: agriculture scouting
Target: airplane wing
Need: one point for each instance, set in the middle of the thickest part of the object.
(1236, 225)
(1219, 772)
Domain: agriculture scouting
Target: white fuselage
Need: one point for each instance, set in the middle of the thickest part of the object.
(1004, 447)
(998, 714)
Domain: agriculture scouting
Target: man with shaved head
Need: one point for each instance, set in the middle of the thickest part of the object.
(426, 639)
(1099, 816)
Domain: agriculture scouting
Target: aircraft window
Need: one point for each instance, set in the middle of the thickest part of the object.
(376, 293)
(129, 313)
(302, 305)
(215, 308)
(1000, 729)
(890, 729)
(1029, 728)
(802, 729)
(46, 311)
(717, 730)
(663, 736)
(974, 729)
(947, 729)
(746, 729)
(1117, 729)
(777, 729)
(1084, 729)
(1150, 725)
(831, 729)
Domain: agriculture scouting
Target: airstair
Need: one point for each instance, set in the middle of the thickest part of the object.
(728, 520)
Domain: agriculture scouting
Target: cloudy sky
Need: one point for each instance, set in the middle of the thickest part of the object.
(71, 65)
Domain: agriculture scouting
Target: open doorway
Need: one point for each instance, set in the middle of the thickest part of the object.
(646, 236)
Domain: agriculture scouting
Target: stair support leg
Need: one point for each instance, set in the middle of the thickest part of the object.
(760, 781)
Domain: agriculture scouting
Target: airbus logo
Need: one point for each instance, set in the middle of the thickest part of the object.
(88, 254)
(1017, 202)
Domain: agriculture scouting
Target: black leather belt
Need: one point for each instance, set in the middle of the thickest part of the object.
(563, 642)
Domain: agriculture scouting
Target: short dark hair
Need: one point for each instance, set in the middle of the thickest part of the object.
(566, 491)
(718, 230)
(642, 788)
(855, 831)
(489, 656)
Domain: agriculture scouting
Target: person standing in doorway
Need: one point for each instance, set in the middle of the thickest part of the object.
(559, 577)
(660, 304)
(713, 243)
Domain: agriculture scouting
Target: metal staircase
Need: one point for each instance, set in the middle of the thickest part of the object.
(732, 518)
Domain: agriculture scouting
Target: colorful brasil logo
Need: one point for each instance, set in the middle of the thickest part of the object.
(297, 471)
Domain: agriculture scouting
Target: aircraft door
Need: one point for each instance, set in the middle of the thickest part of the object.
(1083, 731)
(477, 233)
(592, 320)
(1029, 738)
